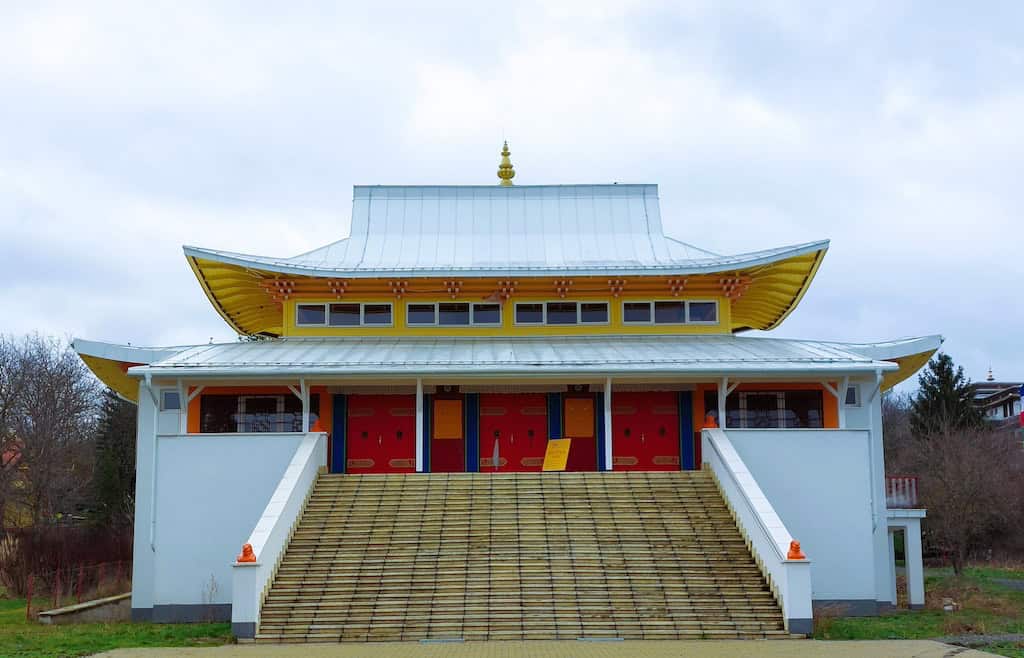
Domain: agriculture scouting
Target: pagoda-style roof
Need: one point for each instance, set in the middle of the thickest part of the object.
(481, 232)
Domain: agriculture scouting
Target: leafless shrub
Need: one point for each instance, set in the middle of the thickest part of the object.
(209, 594)
(970, 481)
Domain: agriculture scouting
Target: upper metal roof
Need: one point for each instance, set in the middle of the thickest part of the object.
(380, 356)
(491, 230)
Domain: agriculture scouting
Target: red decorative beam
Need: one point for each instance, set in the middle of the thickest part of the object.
(676, 286)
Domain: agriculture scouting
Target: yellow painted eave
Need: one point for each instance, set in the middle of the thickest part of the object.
(114, 374)
(908, 366)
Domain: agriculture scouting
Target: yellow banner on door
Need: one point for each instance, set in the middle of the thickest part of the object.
(557, 454)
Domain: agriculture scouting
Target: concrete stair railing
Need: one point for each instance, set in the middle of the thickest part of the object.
(770, 542)
(273, 531)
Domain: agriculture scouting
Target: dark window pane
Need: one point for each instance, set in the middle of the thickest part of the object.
(636, 312)
(804, 409)
(421, 314)
(311, 314)
(594, 312)
(561, 312)
(291, 420)
(259, 414)
(172, 401)
(851, 395)
(376, 313)
(529, 313)
(711, 406)
(218, 413)
(486, 313)
(453, 314)
(732, 410)
(703, 312)
(344, 315)
(669, 312)
(762, 410)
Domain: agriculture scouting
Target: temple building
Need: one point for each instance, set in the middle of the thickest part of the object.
(511, 412)
(1000, 403)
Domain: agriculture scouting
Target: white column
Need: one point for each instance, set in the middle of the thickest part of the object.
(915, 565)
(187, 402)
(892, 564)
(608, 424)
(841, 401)
(305, 405)
(723, 393)
(879, 518)
(419, 426)
(145, 504)
(183, 408)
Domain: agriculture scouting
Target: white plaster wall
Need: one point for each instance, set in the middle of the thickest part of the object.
(142, 554)
(819, 482)
(168, 422)
(211, 491)
(858, 418)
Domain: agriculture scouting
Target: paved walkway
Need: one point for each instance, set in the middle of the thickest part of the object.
(650, 649)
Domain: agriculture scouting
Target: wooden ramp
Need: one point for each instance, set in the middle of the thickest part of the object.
(517, 556)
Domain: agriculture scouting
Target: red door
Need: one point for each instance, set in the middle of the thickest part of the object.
(645, 431)
(381, 435)
(447, 435)
(518, 422)
(579, 423)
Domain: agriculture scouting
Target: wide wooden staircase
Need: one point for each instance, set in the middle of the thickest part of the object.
(517, 556)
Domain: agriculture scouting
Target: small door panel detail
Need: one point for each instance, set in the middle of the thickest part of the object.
(518, 423)
(646, 438)
(580, 425)
(447, 436)
(381, 434)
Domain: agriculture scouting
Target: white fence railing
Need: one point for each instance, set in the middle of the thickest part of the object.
(270, 536)
(901, 491)
(766, 534)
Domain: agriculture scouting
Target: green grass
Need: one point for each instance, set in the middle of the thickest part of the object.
(986, 607)
(22, 639)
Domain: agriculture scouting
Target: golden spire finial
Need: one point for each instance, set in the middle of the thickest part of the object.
(505, 171)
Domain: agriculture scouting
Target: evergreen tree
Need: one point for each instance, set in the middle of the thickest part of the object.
(115, 461)
(943, 403)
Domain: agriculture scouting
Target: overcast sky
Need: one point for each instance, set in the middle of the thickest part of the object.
(894, 129)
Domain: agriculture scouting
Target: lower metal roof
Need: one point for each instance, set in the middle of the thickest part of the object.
(664, 355)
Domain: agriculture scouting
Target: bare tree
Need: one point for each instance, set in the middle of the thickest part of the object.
(51, 419)
(970, 483)
(13, 379)
(898, 439)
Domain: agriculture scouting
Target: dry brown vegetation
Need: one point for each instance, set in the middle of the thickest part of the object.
(970, 480)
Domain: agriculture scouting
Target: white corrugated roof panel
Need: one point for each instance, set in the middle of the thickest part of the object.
(497, 231)
(515, 356)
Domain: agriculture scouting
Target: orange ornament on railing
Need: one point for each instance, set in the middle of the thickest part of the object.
(794, 551)
(709, 421)
(247, 554)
